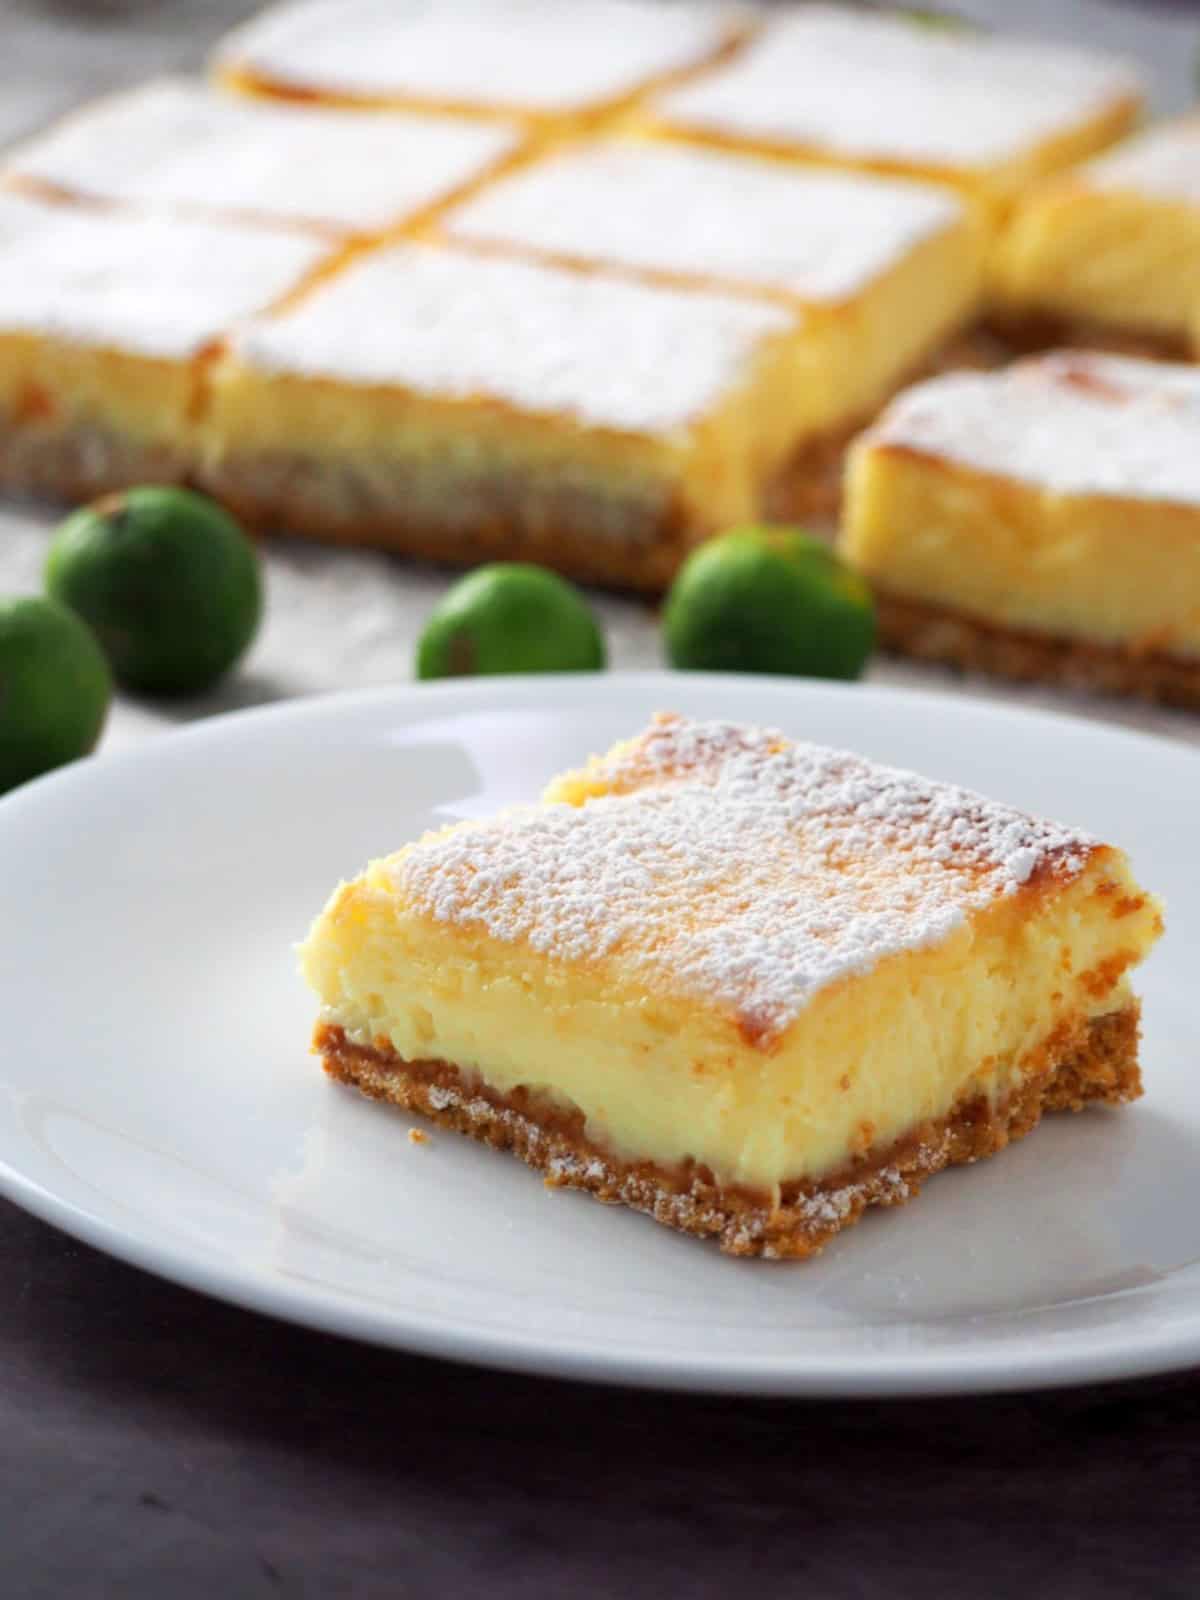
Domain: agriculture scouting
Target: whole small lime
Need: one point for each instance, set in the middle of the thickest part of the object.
(166, 580)
(55, 688)
(510, 617)
(762, 599)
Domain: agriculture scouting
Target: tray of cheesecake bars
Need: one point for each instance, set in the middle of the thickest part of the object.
(585, 286)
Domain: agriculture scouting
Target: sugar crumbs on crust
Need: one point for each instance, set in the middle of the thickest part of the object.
(866, 84)
(628, 356)
(730, 864)
(1073, 422)
(670, 208)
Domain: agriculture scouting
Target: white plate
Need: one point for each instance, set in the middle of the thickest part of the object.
(157, 1098)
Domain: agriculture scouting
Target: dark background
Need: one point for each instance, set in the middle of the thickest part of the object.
(156, 1444)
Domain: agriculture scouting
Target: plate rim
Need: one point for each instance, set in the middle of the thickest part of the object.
(1085, 1358)
(496, 686)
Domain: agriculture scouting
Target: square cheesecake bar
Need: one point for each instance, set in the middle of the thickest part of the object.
(460, 406)
(1111, 250)
(552, 65)
(105, 322)
(885, 270)
(748, 986)
(180, 146)
(988, 113)
(1042, 523)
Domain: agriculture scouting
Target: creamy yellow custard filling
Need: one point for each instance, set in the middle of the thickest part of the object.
(1116, 242)
(937, 980)
(52, 384)
(1112, 572)
(662, 1079)
(448, 367)
(1061, 497)
(1124, 260)
(106, 317)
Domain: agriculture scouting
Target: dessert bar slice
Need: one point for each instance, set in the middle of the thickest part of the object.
(885, 270)
(549, 63)
(986, 112)
(180, 145)
(104, 323)
(1113, 248)
(1042, 522)
(748, 986)
(459, 406)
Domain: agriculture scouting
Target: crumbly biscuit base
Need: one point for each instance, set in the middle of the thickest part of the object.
(1036, 333)
(954, 638)
(631, 538)
(1094, 1061)
(80, 461)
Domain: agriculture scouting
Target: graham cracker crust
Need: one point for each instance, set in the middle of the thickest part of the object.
(1036, 332)
(634, 538)
(80, 461)
(1092, 1062)
(954, 638)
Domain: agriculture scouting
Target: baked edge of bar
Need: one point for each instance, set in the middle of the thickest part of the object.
(633, 545)
(293, 494)
(1091, 1062)
(79, 461)
(83, 460)
(1034, 332)
(810, 481)
(949, 637)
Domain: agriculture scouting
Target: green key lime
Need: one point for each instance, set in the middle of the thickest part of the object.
(54, 688)
(510, 617)
(769, 600)
(168, 582)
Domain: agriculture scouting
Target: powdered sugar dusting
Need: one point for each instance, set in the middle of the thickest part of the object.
(729, 864)
(1163, 163)
(887, 87)
(178, 143)
(615, 354)
(162, 287)
(540, 54)
(1073, 423)
(667, 208)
